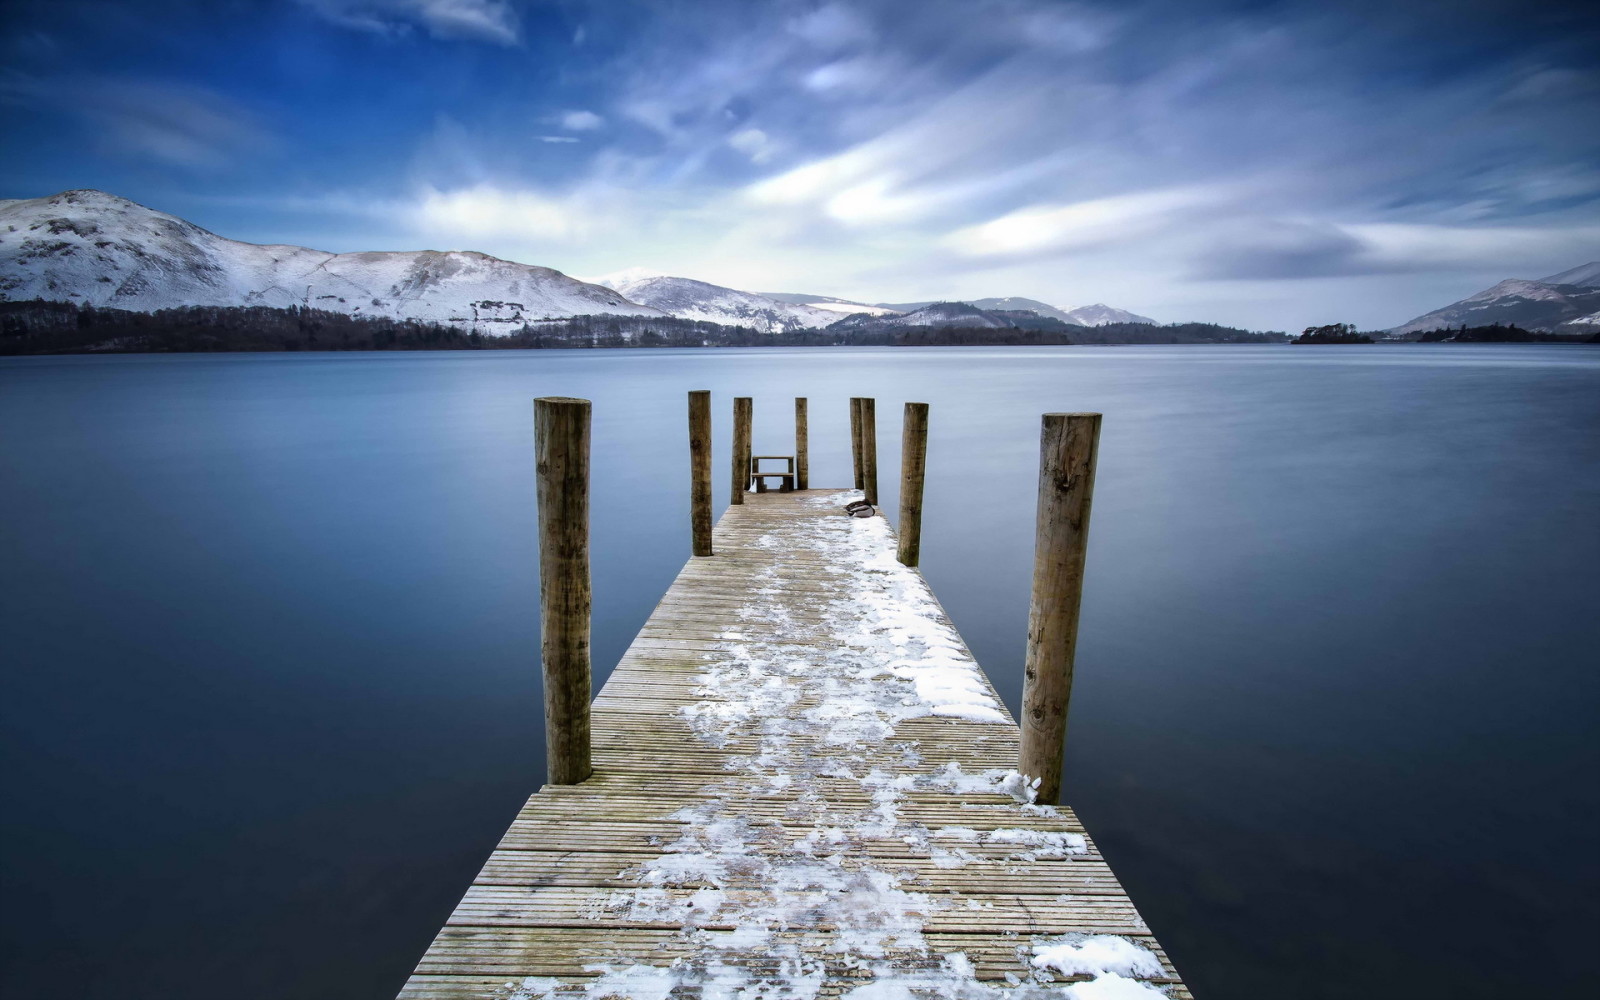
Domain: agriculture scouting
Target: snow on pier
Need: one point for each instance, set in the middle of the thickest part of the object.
(804, 786)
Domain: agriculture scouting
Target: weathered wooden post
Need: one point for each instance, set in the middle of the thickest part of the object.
(1067, 451)
(700, 470)
(869, 449)
(802, 460)
(561, 444)
(913, 471)
(742, 415)
(855, 439)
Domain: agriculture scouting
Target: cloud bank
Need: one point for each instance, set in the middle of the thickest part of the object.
(1261, 164)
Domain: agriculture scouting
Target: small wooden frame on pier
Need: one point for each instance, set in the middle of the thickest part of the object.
(786, 478)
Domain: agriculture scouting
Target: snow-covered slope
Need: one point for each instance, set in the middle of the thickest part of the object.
(1095, 315)
(97, 249)
(1016, 303)
(961, 314)
(1101, 314)
(1584, 276)
(843, 306)
(698, 300)
(1546, 304)
(1581, 324)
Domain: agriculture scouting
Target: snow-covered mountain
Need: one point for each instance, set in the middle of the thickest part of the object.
(1561, 303)
(97, 249)
(960, 314)
(1095, 315)
(1007, 303)
(686, 298)
(843, 306)
(1101, 314)
(1584, 276)
(1016, 303)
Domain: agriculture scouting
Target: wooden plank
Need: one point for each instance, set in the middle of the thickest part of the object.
(798, 771)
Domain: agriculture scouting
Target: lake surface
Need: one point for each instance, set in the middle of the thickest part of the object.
(270, 683)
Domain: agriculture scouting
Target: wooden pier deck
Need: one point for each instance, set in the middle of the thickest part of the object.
(803, 787)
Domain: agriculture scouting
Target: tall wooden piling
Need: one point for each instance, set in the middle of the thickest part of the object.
(913, 471)
(802, 459)
(869, 449)
(855, 439)
(1068, 446)
(561, 444)
(700, 471)
(742, 416)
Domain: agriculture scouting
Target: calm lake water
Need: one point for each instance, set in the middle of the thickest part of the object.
(270, 685)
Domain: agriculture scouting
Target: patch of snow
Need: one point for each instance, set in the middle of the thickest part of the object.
(634, 982)
(531, 988)
(851, 308)
(1111, 986)
(821, 726)
(1086, 954)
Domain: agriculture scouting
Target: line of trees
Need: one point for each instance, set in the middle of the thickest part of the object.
(45, 327)
(1496, 333)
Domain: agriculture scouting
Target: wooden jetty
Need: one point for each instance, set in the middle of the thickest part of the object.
(802, 786)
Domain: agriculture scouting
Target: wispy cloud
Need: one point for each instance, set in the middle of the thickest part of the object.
(486, 211)
(581, 121)
(1158, 155)
(481, 20)
(753, 143)
(177, 124)
(1053, 229)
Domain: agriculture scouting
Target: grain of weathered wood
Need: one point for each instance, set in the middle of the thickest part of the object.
(700, 523)
(741, 448)
(1067, 446)
(561, 443)
(802, 453)
(913, 471)
(869, 449)
(855, 440)
(557, 898)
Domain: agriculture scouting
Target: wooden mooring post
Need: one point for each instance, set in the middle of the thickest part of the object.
(561, 444)
(869, 449)
(1068, 446)
(802, 460)
(855, 439)
(742, 416)
(700, 470)
(913, 472)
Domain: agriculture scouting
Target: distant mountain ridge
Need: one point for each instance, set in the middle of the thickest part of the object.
(98, 249)
(687, 298)
(1098, 314)
(951, 314)
(1101, 314)
(1568, 302)
(828, 302)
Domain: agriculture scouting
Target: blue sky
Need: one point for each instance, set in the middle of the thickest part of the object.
(1260, 164)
